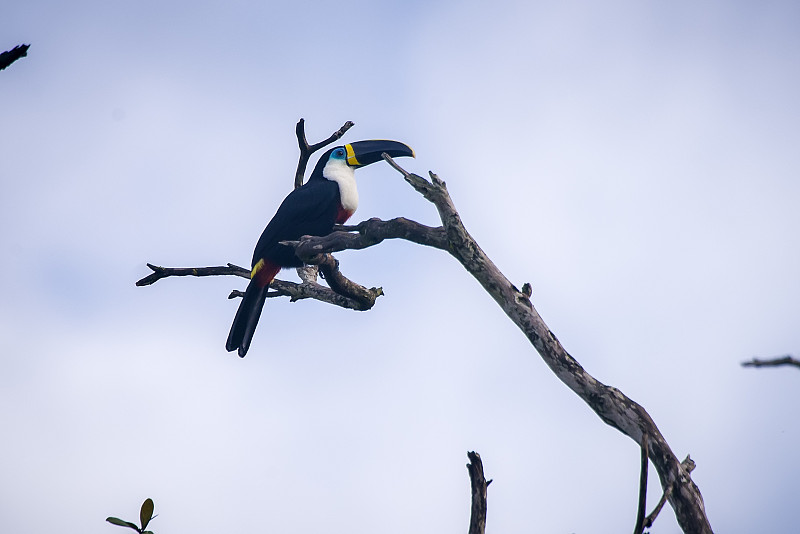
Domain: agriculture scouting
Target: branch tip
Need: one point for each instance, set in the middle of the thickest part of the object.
(395, 165)
(688, 464)
(478, 483)
(306, 150)
(774, 362)
(436, 180)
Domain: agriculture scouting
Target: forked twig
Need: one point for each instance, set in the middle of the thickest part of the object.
(306, 150)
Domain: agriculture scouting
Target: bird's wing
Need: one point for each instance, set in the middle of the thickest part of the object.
(308, 210)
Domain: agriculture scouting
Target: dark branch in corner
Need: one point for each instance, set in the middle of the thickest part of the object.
(306, 150)
(775, 362)
(478, 482)
(10, 56)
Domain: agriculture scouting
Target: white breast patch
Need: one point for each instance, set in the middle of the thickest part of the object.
(337, 170)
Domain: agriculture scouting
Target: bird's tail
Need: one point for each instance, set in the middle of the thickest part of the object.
(246, 320)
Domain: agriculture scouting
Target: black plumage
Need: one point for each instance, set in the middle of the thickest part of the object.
(308, 210)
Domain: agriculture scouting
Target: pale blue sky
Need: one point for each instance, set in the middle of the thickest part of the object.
(635, 161)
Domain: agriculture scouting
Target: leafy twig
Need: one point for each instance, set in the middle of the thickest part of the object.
(145, 516)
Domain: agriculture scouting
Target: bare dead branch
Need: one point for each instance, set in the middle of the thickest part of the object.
(478, 482)
(363, 298)
(369, 233)
(10, 56)
(688, 465)
(351, 296)
(308, 273)
(306, 150)
(648, 522)
(775, 362)
(610, 404)
(312, 290)
(640, 514)
(164, 272)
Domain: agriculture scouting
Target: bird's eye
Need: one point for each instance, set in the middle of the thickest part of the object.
(340, 152)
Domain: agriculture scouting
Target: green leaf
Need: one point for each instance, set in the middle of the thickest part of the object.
(121, 523)
(146, 513)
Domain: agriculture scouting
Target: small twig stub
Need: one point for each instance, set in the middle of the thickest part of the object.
(478, 482)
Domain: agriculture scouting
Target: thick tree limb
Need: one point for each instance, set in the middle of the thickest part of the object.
(370, 233)
(775, 362)
(363, 298)
(610, 404)
(478, 482)
(343, 292)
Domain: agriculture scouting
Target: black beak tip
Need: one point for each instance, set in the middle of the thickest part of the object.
(367, 152)
(397, 149)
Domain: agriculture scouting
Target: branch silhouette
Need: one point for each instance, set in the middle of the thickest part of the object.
(10, 56)
(306, 150)
(479, 485)
(610, 404)
(773, 362)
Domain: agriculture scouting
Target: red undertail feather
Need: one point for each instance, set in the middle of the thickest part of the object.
(265, 274)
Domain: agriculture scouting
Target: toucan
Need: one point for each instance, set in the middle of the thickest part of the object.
(328, 197)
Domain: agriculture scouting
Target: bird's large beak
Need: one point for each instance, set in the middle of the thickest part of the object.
(363, 153)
